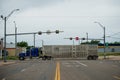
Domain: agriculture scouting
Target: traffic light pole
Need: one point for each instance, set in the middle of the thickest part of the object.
(104, 44)
(34, 33)
(5, 39)
(15, 39)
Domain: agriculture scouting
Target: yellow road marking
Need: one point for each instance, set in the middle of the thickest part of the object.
(57, 73)
(116, 77)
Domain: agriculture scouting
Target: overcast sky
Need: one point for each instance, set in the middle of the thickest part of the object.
(74, 17)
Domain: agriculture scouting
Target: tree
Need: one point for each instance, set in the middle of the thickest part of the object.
(22, 44)
(92, 42)
(95, 42)
(116, 42)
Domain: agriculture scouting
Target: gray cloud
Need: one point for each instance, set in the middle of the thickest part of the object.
(6, 5)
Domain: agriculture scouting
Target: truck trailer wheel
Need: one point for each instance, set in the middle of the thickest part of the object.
(43, 58)
(49, 58)
(89, 57)
(95, 57)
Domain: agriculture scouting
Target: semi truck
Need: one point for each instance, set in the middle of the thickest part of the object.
(34, 52)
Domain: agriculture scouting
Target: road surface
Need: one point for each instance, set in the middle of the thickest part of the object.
(37, 69)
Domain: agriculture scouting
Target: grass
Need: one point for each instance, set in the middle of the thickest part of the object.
(109, 54)
(10, 58)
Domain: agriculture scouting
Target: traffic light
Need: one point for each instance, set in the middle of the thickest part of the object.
(83, 38)
(77, 38)
(48, 32)
(71, 38)
(57, 31)
(39, 32)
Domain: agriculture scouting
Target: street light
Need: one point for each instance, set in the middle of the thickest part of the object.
(5, 19)
(103, 37)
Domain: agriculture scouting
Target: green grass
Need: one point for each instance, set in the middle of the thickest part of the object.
(109, 54)
(10, 58)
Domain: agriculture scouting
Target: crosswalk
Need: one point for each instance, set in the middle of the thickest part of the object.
(78, 63)
(73, 64)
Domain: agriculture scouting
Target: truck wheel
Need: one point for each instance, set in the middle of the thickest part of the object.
(95, 57)
(43, 58)
(49, 58)
(21, 58)
(89, 58)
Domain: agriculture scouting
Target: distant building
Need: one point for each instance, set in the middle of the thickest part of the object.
(10, 47)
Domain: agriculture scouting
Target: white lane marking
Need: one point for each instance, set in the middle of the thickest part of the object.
(3, 79)
(114, 66)
(77, 65)
(65, 63)
(101, 62)
(33, 65)
(23, 70)
(81, 63)
(116, 77)
(68, 65)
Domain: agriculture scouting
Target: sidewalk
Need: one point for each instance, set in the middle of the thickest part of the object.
(7, 63)
(109, 58)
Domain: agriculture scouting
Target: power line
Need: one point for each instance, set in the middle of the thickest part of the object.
(115, 34)
(114, 37)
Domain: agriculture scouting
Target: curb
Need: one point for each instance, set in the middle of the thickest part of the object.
(6, 63)
(110, 58)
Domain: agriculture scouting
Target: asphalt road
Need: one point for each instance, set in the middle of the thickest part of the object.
(37, 69)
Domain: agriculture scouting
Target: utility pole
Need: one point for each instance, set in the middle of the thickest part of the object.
(5, 39)
(34, 39)
(87, 36)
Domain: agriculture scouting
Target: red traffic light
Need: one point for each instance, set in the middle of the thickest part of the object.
(77, 38)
